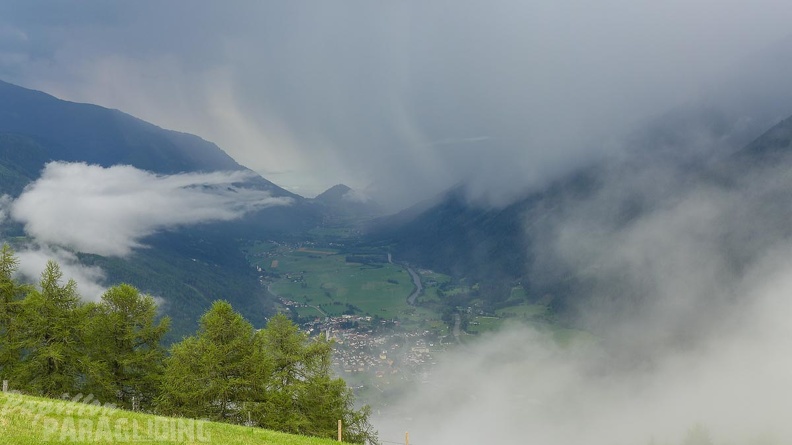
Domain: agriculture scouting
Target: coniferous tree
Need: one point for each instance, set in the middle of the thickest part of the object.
(212, 374)
(302, 396)
(49, 335)
(11, 296)
(53, 344)
(124, 339)
(277, 377)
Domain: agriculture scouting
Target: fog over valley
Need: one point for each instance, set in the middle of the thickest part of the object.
(540, 222)
(682, 278)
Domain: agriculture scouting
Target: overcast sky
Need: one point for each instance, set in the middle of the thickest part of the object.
(401, 97)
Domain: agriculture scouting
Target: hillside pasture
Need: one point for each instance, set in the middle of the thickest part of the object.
(28, 420)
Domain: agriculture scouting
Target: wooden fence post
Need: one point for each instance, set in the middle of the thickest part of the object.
(407, 438)
(339, 430)
(5, 385)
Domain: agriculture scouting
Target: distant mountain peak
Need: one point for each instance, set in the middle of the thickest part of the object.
(341, 194)
(334, 193)
(343, 201)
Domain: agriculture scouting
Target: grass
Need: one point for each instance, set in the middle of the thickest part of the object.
(422, 318)
(321, 278)
(523, 310)
(253, 249)
(432, 282)
(518, 293)
(27, 420)
(333, 233)
(480, 324)
(327, 281)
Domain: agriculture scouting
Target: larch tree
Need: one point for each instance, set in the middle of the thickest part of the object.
(212, 374)
(11, 296)
(276, 378)
(302, 395)
(50, 333)
(124, 336)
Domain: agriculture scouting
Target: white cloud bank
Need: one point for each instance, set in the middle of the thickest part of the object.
(689, 297)
(107, 211)
(516, 387)
(732, 373)
(33, 260)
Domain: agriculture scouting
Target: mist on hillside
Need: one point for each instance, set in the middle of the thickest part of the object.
(683, 282)
(110, 211)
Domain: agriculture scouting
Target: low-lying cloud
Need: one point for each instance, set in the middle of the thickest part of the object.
(519, 387)
(107, 211)
(356, 196)
(33, 260)
(684, 279)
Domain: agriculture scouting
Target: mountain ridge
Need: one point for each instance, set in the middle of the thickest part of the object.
(79, 132)
(187, 266)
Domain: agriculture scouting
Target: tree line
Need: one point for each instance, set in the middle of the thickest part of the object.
(52, 343)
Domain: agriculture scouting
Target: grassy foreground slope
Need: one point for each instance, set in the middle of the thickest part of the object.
(34, 420)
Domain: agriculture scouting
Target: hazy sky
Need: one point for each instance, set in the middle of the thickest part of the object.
(401, 97)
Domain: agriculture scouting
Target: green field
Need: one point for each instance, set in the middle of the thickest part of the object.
(324, 280)
(432, 282)
(523, 311)
(27, 420)
(332, 233)
(482, 324)
(327, 284)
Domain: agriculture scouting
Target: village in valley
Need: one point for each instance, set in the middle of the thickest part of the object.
(388, 322)
(376, 356)
(361, 348)
(359, 302)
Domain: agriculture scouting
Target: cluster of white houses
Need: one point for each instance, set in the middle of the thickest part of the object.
(359, 348)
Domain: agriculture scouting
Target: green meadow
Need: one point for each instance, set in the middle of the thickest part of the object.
(325, 280)
(28, 420)
(322, 279)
